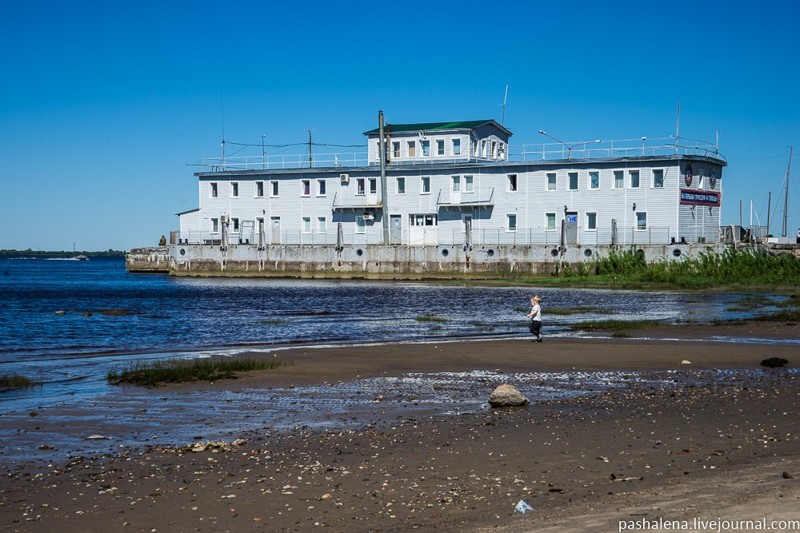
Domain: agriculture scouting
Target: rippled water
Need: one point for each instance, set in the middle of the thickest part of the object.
(67, 323)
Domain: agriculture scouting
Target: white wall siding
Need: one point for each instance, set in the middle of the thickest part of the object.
(489, 203)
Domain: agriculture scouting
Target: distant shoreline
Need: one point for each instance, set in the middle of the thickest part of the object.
(40, 254)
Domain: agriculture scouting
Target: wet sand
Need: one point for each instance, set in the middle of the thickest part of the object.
(715, 439)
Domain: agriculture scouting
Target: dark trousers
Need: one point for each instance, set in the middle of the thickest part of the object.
(536, 327)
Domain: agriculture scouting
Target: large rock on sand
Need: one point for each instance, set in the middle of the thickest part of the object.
(507, 396)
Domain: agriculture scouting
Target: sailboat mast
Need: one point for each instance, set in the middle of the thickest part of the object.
(786, 197)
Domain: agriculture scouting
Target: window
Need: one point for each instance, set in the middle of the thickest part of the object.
(235, 225)
(641, 221)
(591, 221)
(511, 183)
(456, 146)
(551, 181)
(234, 189)
(214, 225)
(426, 148)
(322, 225)
(658, 178)
(259, 189)
(426, 184)
(511, 221)
(573, 181)
(396, 149)
(483, 148)
(306, 224)
(361, 226)
(321, 188)
(401, 185)
(594, 179)
(423, 220)
(274, 188)
(440, 147)
(214, 190)
(306, 187)
(373, 185)
(468, 180)
(412, 149)
(550, 220)
(634, 174)
(456, 183)
(619, 180)
(494, 149)
(360, 186)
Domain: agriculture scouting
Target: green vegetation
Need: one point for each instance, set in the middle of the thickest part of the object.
(151, 374)
(615, 325)
(430, 318)
(17, 381)
(731, 268)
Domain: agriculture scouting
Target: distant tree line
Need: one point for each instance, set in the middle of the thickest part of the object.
(59, 253)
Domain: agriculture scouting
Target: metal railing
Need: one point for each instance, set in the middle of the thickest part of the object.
(432, 236)
(599, 149)
(594, 149)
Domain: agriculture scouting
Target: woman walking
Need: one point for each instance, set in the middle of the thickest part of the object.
(535, 316)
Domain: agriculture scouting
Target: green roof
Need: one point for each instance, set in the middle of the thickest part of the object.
(435, 126)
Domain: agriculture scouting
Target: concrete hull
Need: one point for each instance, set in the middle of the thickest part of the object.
(378, 261)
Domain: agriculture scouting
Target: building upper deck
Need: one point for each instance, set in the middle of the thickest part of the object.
(577, 151)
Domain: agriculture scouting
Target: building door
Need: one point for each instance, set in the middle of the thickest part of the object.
(571, 219)
(455, 192)
(395, 229)
(275, 230)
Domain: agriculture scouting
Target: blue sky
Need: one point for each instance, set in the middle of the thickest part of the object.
(105, 107)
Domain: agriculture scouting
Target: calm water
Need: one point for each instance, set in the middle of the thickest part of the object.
(112, 317)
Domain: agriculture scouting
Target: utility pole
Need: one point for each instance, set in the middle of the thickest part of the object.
(384, 191)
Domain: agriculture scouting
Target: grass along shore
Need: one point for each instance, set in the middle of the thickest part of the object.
(152, 374)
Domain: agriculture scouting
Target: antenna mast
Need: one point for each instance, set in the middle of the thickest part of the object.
(786, 196)
(677, 126)
(222, 107)
(505, 100)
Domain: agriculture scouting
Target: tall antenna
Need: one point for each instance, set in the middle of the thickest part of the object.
(786, 196)
(505, 100)
(678, 126)
(222, 107)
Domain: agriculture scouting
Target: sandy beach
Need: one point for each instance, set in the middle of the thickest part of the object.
(671, 445)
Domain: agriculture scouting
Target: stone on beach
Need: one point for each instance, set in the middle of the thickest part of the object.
(507, 396)
(774, 362)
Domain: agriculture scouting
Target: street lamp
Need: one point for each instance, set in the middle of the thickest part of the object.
(569, 147)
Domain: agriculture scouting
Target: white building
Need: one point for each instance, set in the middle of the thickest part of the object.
(459, 184)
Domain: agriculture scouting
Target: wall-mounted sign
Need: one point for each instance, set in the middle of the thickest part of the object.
(687, 175)
(692, 197)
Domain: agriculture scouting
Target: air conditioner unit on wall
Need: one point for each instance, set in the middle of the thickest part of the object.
(345, 178)
(369, 217)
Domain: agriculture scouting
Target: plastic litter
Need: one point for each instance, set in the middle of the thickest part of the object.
(523, 506)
